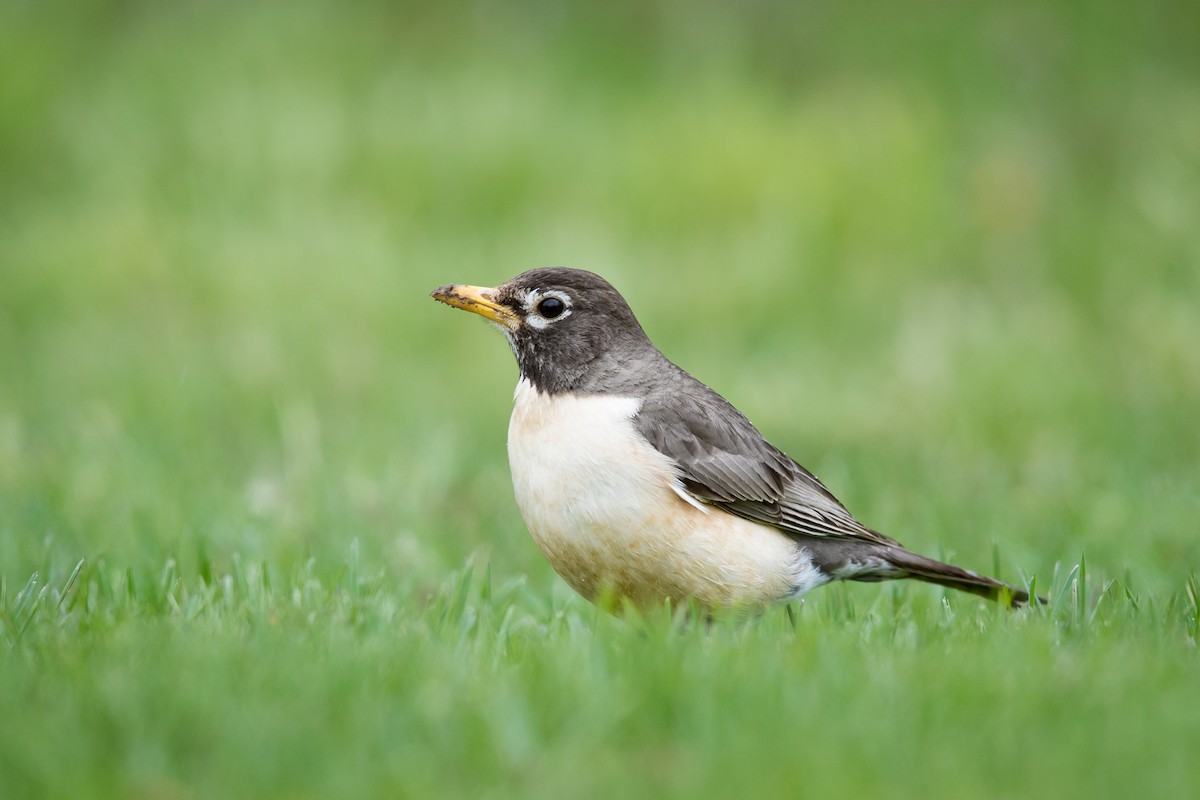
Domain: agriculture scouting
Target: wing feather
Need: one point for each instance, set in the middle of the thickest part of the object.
(724, 461)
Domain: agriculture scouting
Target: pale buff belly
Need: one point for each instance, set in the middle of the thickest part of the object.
(599, 502)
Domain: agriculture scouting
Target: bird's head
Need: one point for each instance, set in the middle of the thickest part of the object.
(569, 329)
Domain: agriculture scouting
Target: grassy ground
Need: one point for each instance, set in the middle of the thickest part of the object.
(256, 531)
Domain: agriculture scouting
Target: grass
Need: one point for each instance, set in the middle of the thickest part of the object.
(293, 684)
(256, 530)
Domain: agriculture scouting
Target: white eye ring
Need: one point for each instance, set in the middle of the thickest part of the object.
(532, 302)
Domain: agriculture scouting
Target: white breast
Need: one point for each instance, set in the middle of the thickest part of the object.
(608, 511)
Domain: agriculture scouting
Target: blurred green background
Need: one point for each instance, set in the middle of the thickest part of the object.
(944, 254)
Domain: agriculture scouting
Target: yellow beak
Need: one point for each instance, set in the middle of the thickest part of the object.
(478, 300)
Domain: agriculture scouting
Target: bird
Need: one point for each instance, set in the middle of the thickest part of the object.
(640, 483)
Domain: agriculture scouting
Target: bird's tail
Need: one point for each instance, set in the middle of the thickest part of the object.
(889, 562)
(929, 570)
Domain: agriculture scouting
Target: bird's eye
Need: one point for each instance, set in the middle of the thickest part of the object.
(551, 307)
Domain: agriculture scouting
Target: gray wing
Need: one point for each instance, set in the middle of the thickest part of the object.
(724, 461)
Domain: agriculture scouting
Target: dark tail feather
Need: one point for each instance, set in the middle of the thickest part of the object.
(931, 571)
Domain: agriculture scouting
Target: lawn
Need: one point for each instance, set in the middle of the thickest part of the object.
(257, 536)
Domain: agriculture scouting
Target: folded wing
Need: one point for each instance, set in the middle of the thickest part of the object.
(724, 461)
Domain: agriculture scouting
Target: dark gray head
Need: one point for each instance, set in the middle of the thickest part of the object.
(569, 329)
